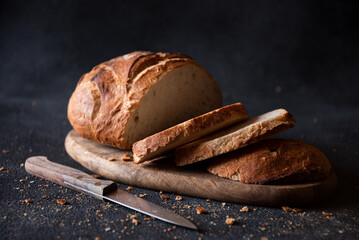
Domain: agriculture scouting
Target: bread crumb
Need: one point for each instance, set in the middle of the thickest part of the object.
(2, 169)
(178, 198)
(147, 219)
(244, 209)
(22, 165)
(164, 196)
(43, 197)
(134, 221)
(111, 159)
(142, 195)
(5, 151)
(133, 216)
(288, 209)
(200, 210)
(61, 201)
(27, 201)
(95, 176)
(129, 188)
(223, 204)
(327, 215)
(230, 221)
(126, 157)
(97, 238)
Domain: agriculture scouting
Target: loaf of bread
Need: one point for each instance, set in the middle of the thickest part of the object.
(273, 161)
(136, 95)
(234, 137)
(169, 139)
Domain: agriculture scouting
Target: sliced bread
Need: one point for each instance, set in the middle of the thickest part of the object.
(136, 95)
(234, 137)
(187, 131)
(273, 161)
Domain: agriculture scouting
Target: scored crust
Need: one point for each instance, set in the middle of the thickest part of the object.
(104, 100)
(234, 137)
(187, 131)
(273, 161)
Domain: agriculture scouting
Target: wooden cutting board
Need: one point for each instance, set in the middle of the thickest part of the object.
(163, 175)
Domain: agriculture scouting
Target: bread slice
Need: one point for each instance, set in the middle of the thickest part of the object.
(187, 131)
(234, 137)
(136, 95)
(273, 161)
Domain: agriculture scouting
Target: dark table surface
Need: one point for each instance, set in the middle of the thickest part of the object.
(298, 55)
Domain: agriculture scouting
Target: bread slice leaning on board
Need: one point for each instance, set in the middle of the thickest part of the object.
(131, 97)
(169, 139)
(234, 137)
(272, 161)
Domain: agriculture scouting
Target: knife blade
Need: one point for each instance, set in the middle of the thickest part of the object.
(75, 179)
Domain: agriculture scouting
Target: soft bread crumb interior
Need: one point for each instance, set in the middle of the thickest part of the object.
(183, 93)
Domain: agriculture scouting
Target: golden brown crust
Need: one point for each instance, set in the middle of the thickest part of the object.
(235, 137)
(187, 131)
(106, 83)
(272, 161)
(104, 98)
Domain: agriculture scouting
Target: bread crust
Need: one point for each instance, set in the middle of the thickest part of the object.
(273, 161)
(187, 131)
(104, 98)
(235, 137)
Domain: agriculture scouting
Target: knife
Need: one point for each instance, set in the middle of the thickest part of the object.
(107, 190)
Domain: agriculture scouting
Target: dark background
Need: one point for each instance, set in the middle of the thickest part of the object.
(298, 55)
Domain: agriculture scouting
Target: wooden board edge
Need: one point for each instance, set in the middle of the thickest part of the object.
(220, 189)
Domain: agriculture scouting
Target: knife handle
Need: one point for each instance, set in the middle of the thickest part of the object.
(41, 167)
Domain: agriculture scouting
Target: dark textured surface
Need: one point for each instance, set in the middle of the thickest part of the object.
(299, 55)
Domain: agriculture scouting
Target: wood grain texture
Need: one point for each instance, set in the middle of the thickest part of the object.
(191, 180)
(41, 167)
